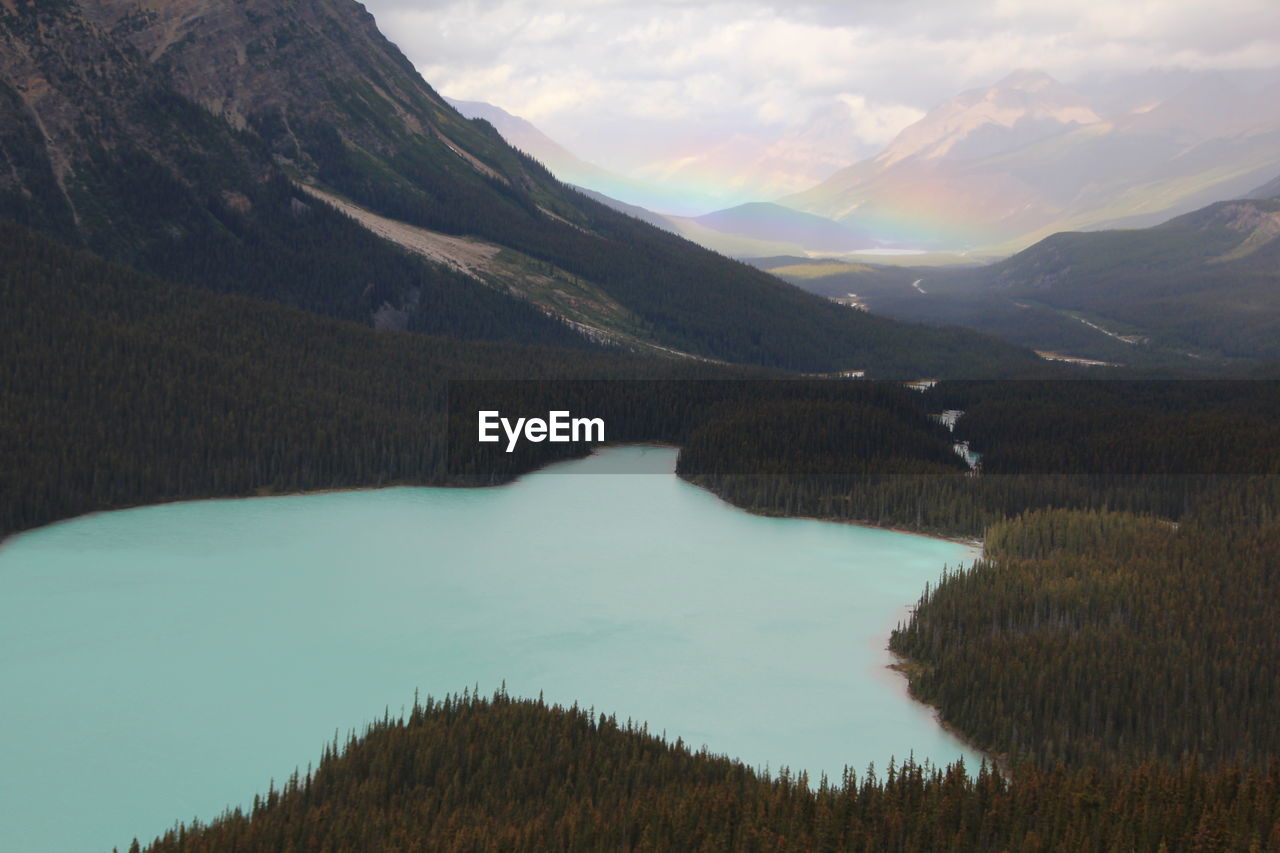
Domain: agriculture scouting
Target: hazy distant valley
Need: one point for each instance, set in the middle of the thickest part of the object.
(992, 172)
(989, 171)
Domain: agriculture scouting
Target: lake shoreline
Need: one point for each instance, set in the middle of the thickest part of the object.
(901, 665)
(905, 666)
(264, 492)
(319, 611)
(971, 543)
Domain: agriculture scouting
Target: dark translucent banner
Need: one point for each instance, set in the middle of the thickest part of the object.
(844, 430)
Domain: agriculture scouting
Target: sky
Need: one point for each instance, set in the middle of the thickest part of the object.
(654, 86)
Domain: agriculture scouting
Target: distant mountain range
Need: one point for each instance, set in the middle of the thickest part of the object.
(753, 230)
(563, 163)
(989, 171)
(997, 169)
(740, 168)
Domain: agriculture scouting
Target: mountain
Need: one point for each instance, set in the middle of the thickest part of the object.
(608, 187)
(568, 167)
(288, 150)
(1270, 189)
(1022, 108)
(1198, 292)
(1208, 280)
(996, 169)
(764, 221)
(709, 170)
(101, 150)
(754, 229)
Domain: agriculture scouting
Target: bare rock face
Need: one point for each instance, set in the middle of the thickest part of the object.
(269, 63)
(53, 63)
(83, 82)
(69, 94)
(272, 63)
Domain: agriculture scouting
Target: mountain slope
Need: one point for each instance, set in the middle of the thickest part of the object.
(568, 167)
(119, 388)
(311, 92)
(1270, 189)
(102, 152)
(1207, 280)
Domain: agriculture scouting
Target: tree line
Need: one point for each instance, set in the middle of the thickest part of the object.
(1098, 638)
(496, 773)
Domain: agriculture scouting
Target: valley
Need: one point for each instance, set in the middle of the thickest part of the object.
(1193, 293)
(859, 326)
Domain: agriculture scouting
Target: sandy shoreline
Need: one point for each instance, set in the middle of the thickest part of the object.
(972, 543)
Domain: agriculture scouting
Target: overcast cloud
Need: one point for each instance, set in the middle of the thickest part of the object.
(620, 82)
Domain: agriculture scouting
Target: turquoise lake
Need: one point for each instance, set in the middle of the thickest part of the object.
(162, 663)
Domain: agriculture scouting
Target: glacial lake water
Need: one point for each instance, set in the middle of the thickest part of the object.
(162, 663)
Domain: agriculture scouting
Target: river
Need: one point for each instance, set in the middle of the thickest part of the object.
(165, 662)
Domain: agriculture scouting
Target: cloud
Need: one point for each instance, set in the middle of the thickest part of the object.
(877, 124)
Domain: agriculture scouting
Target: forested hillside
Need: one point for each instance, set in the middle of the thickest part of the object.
(469, 773)
(1104, 638)
(121, 389)
(118, 389)
(1144, 447)
(1205, 281)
